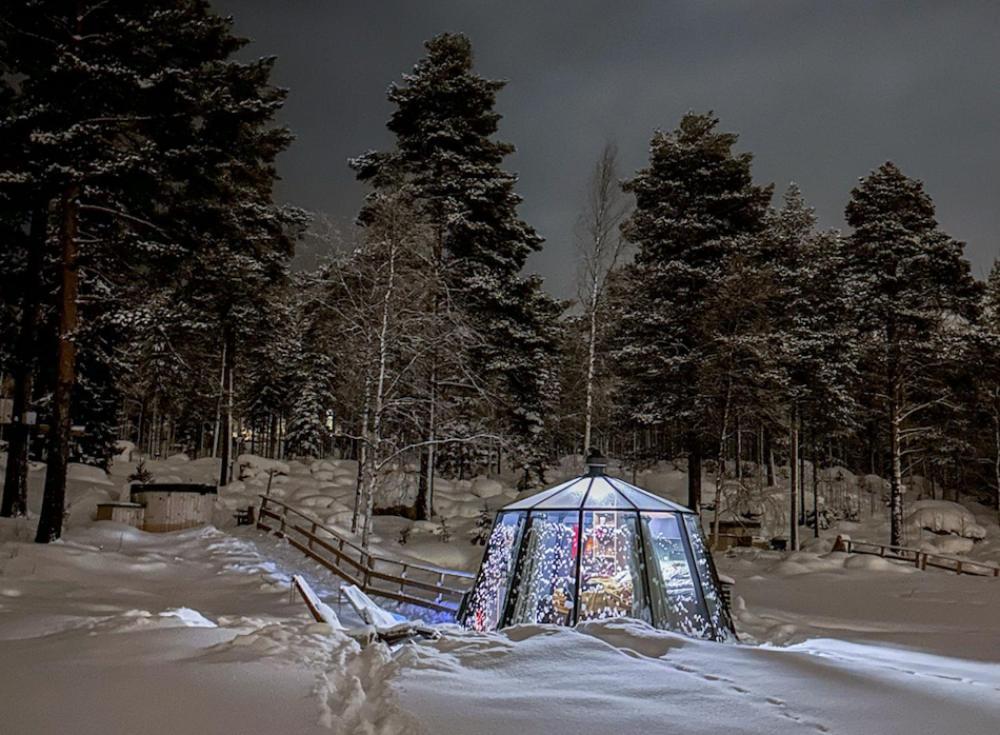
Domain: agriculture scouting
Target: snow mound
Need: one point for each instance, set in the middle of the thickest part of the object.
(944, 516)
(948, 545)
(85, 473)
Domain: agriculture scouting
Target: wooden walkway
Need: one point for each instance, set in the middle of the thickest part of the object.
(417, 584)
(920, 559)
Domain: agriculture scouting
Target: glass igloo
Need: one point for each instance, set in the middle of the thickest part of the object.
(597, 547)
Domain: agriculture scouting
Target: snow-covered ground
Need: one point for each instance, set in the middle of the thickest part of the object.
(117, 631)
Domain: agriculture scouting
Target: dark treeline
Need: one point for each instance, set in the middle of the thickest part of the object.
(146, 291)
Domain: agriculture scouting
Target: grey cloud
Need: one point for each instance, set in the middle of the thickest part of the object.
(820, 92)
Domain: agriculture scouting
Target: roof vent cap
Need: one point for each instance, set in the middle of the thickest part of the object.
(596, 462)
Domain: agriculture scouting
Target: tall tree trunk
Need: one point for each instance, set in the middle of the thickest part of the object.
(425, 489)
(61, 421)
(216, 433)
(895, 448)
(591, 366)
(15, 486)
(802, 479)
(272, 437)
(760, 458)
(428, 460)
(793, 480)
(720, 460)
(694, 471)
(363, 451)
(374, 439)
(815, 489)
(896, 477)
(996, 450)
(769, 455)
(229, 349)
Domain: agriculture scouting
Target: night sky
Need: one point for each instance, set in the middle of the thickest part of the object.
(820, 92)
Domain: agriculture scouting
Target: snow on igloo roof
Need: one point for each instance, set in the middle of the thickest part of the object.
(595, 492)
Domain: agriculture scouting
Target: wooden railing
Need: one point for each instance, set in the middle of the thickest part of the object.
(417, 584)
(920, 559)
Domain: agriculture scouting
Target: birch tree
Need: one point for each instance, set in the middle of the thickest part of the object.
(601, 249)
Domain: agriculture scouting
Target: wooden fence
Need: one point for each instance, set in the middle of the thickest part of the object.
(920, 559)
(417, 584)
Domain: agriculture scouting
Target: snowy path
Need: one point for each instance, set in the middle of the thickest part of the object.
(117, 631)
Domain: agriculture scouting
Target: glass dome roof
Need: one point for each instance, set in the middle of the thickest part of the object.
(595, 492)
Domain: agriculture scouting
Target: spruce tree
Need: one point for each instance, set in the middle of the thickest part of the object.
(693, 203)
(915, 285)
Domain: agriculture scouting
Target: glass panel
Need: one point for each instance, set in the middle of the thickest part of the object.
(676, 603)
(709, 580)
(486, 601)
(532, 500)
(603, 495)
(644, 500)
(546, 581)
(611, 567)
(568, 497)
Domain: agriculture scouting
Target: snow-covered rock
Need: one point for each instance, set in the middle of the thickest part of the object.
(948, 545)
(253, 465)
(125, 450)
(483, 487)
(944, 516)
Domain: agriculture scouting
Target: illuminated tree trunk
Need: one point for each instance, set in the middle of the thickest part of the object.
(61, 422)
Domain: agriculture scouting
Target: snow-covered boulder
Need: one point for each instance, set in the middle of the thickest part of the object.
(252, 465)
(948, 545)
(874, 484)
(233, 488)
(944, 516)
(483, 487)
(125, 450)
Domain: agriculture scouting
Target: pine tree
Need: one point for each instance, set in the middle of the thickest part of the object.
(447, 161)
(915, 286)
(139, 126)
(987, 372)
(23, 231)
(811, 337)
(693, 203)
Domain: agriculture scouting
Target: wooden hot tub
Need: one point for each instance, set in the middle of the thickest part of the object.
(173, 506)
